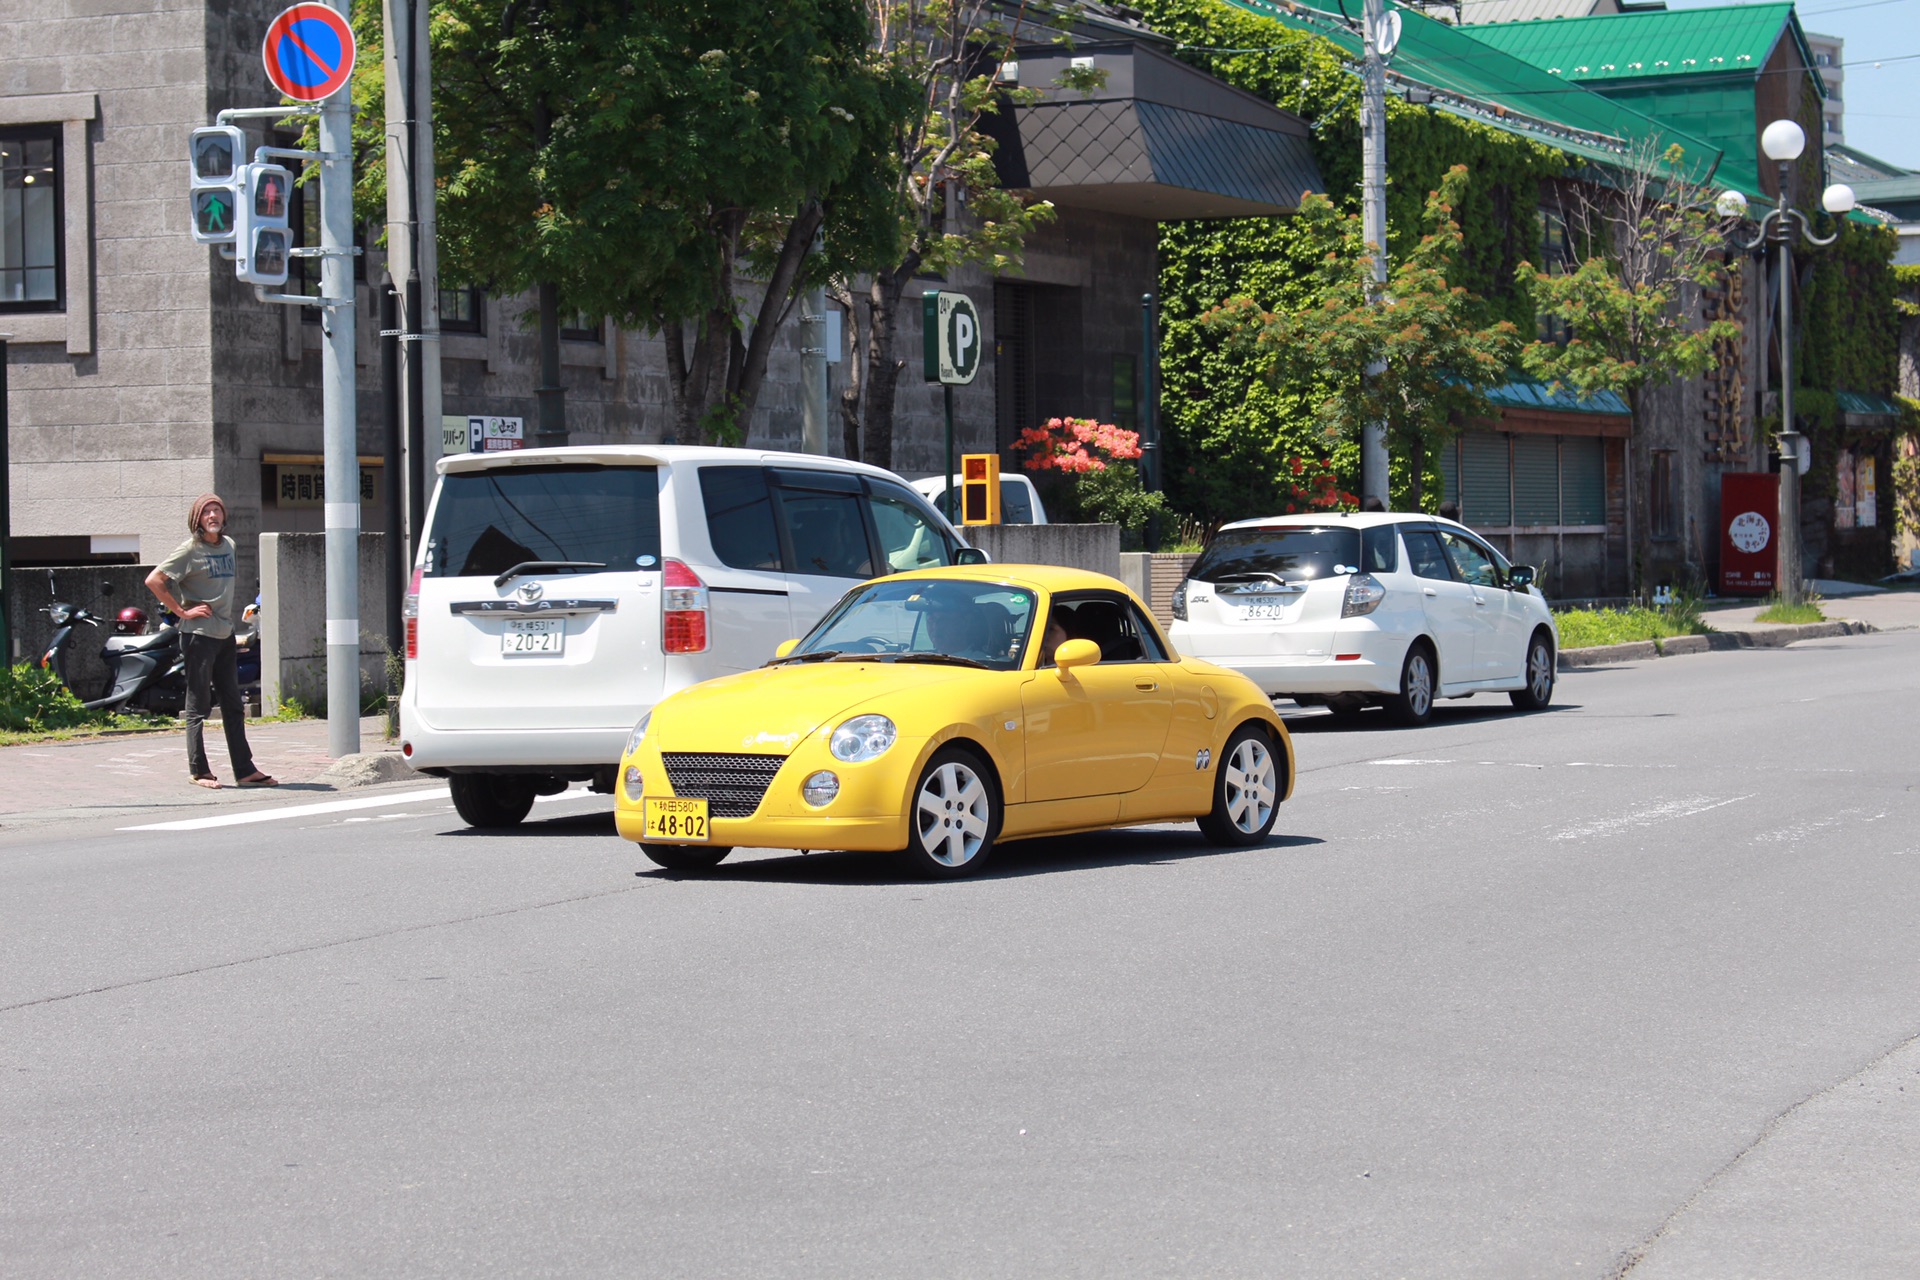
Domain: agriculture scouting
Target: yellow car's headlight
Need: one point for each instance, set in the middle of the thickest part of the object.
(639, 732)
(862, 738)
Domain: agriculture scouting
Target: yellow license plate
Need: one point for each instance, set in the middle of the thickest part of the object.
(676, 819)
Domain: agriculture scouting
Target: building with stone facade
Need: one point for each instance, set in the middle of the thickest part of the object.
(143, 374)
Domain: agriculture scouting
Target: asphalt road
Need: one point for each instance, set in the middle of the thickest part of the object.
(1629, 986)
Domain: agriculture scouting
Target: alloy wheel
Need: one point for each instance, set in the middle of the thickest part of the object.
(953, 814)
(1251, 785)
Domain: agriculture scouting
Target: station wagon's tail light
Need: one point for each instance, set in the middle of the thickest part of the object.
(1364, 594)
(1180, 600)
(410, 612)
(683, 603)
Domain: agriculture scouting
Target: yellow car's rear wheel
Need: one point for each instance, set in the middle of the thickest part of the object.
(1246, 790)
(953, 816)
(687, 857)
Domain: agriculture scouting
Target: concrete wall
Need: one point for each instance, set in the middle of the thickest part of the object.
(293, 617)
(110, 400)
(1078, 546)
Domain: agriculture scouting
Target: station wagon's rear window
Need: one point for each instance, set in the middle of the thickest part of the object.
(1290, 553)
(488, 521)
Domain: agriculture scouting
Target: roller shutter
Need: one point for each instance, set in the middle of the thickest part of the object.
(1536, 480)
(1485, 480)
(1583, 466)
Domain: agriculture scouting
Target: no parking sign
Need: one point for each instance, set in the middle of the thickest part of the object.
(309, 52)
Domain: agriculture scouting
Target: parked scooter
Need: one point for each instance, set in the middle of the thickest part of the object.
(144, 672)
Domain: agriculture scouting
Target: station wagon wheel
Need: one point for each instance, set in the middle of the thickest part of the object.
(1246, 790)
(687, 857)
(953, 816)
(1539, 690)
(490, 801)
(1413, 705)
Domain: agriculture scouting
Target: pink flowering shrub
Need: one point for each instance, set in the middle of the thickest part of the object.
(1076, 445)
(1086, 485)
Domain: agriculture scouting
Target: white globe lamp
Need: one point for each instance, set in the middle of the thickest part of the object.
(1731, 204)
(1837, 199)
(1783, 140)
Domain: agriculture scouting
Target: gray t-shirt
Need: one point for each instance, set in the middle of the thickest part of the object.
(202, 573)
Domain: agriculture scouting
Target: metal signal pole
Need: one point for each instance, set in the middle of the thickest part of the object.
(339, 427)
(1373, 218)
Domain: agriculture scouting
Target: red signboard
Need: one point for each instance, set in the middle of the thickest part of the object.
(1749, 551)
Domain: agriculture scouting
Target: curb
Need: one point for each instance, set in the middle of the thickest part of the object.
(1772, 638)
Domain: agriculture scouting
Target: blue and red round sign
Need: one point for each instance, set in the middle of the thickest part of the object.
(309, 52)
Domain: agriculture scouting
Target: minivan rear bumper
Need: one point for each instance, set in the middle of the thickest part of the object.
(1332, 670)
(509, 750)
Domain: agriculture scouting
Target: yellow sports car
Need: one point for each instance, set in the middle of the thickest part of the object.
(936, 713)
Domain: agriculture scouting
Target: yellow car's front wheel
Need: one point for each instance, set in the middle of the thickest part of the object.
(954, 815)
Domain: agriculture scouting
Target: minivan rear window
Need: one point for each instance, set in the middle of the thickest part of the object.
(1291, 553)
(486, 522)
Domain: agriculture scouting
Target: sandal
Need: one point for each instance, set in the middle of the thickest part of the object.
(206, 780)
(258, 779)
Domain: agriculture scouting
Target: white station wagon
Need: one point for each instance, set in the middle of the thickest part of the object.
(1346, 611)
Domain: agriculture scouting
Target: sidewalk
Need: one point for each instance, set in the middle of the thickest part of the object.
(1735, 627)
(147, 772)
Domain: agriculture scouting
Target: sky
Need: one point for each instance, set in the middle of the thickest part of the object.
(1883, 108)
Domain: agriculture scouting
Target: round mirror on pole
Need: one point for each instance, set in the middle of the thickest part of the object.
(1837, 199)
(1783, 140)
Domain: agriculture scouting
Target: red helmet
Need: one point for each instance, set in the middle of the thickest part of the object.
(130, 621)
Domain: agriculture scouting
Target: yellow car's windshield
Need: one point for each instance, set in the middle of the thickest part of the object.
(925, 620)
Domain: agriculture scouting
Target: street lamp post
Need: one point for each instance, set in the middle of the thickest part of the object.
(1782, 141)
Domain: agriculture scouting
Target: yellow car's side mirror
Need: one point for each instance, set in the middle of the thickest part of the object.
(786, 647)
(1076, 653)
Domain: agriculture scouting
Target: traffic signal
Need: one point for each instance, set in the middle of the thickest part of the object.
(264, 243)
(979, 488)
(214, 163)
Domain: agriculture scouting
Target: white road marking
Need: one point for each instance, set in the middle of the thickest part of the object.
(1647, 817)
(296, 811)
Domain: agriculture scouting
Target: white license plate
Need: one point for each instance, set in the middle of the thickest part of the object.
(1263, 611)
(533, 635)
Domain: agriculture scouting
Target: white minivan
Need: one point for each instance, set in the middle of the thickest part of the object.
(1347, 610)
(560, 593)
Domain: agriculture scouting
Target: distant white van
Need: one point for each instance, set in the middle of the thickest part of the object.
(560, 593)
(1019, 500)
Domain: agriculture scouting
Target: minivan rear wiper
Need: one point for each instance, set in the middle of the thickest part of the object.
(545, 566)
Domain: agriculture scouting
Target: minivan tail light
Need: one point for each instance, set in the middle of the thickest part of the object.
(683, 606)
(1179, 605)
(410, 612)
(1364, 594)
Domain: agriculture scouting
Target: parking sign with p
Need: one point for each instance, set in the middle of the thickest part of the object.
(951, 338)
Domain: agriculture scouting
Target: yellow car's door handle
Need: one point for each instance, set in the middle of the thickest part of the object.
(1146, 685)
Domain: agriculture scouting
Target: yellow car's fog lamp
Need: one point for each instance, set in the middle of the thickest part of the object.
(862, 738)
(636, 788)
(820, 789)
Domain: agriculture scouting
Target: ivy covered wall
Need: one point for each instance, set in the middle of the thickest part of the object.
(1230, 438)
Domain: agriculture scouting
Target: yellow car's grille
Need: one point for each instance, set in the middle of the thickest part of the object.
(730, 784)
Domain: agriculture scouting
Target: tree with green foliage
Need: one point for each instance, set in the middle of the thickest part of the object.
(945, 207)
(1440, 350)
(667, 166)
(1231, 436)
(1646, 246)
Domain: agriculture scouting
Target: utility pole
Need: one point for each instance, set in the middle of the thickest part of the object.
(1377, 31)
(412, 256)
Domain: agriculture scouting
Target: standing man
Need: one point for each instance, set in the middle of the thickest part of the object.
(201, 570)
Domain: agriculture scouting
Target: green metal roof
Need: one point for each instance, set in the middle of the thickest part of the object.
(1865, 404)
(1478, 82)
(1735, 40)
(1525, 393)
